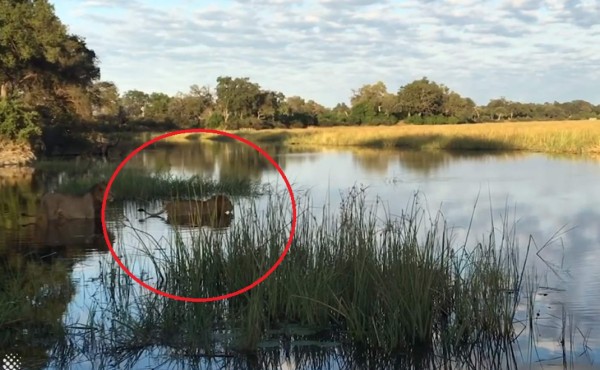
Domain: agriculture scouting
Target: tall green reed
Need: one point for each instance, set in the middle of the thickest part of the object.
(391, 284)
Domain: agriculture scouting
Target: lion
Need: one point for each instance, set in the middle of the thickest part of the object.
(64, 207)
(216, 211)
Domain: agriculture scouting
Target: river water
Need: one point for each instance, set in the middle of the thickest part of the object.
(553, 199)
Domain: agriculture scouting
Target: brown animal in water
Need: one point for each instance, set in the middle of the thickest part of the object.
(216, 211)
(64, 207)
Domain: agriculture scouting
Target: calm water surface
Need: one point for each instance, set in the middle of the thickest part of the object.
(543, 194)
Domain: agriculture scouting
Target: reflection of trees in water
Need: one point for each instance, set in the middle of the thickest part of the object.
(298, 154)
(16, 195)
(49, 175)
(242, 161)
(151, 159)
(34, 297)
(377, 161)
(22, 195)
(230, 160)
(237, 160)
(425, 162)
(35, 269)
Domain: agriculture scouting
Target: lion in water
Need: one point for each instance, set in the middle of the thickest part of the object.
(64, 207)
(64, 219)
(216, 211)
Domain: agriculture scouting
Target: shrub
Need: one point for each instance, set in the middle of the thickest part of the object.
(215, 120)
(18, 123)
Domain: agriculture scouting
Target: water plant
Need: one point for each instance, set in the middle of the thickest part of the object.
(397, 289)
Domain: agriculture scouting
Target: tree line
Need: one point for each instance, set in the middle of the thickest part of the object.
(237, 102)
(49, 77)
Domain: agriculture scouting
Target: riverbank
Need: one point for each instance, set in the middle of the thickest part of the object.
(537, 136)
(15, 155)
(568, 137)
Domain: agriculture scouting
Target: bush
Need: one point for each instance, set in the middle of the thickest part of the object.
(215, 120)
(18, 123)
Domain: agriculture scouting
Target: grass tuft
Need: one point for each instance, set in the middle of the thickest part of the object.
(396, 285)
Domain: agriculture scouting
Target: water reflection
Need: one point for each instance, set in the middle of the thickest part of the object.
(544, 193)
(216, 160)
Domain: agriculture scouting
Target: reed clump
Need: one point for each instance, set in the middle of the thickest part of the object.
(397, 285)
(137, 184)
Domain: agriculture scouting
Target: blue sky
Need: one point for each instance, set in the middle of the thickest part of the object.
(524, 50)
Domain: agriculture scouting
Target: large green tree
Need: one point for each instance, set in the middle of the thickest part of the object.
(105, 98)
(37, 55)
(456, 106)
(42, 67)
(236, 97)
(371, 95)
(191, 109)
(421, 97)
(158, 106)
(134, 103)
(267, 105)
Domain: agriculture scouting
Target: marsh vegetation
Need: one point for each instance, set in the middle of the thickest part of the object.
(397, 286)
(570, 137)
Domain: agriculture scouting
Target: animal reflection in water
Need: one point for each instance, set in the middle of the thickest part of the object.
(65, 219)
(65, 233)
(215, 212)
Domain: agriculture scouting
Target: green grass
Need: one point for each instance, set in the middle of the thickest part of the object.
(134, 183)
(384, 287)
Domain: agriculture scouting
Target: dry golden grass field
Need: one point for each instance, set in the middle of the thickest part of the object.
(537, 136)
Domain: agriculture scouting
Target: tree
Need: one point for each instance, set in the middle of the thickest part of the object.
(134, 103)
(293, 104)
(17, 123)
(104, 99)
(578, 109)
(191, 110)
(268, 104)
(421, 97)
(295, 111)
(158, 106)
(362, 113)
(372, 95)
(237, 97)
(338, 115)
(341, 109)
(204, 96)
(459, 107)
(36, 53)
(43, 69)
(499, 109)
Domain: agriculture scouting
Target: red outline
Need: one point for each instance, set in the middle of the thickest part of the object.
(209, 299)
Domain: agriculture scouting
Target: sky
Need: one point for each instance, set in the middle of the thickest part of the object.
(523, 50)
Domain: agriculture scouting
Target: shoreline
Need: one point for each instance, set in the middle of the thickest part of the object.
(555, 137)
(15, 155)
(551, 137)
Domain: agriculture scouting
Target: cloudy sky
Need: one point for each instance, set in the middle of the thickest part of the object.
(525, 50)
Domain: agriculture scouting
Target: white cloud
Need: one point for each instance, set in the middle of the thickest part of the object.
(535, 50)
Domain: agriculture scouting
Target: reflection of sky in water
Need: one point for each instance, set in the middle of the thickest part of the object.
(543, 194)
(547, 193)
